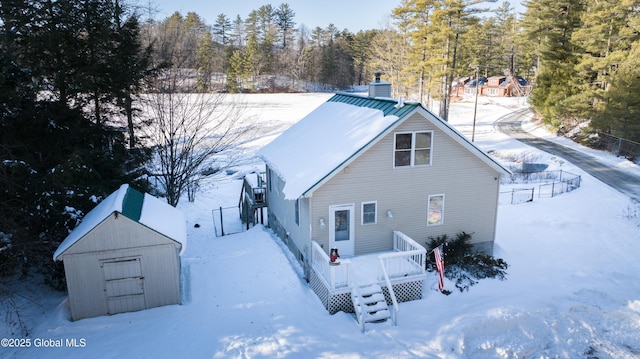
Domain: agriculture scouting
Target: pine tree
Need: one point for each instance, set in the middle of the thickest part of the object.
(206, 53)
(284, 18)
(621, 114)
(550, 24)
(57, 158)
(221, 30)
(605, 40)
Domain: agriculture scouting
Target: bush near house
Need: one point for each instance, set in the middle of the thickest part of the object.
(463, 265)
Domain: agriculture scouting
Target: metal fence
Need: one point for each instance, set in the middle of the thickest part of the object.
(555, 183)
(227, 221)
(516, 196)
(619, 146)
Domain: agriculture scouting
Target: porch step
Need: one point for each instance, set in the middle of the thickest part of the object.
(370, 305)
(370, 289)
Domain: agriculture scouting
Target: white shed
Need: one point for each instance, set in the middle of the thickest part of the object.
(124, 256)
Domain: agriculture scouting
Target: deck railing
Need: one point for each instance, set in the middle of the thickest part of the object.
(394, 301)
(408, 258)
(335, 276)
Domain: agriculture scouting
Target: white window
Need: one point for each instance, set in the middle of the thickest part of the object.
(369, 212)
(412, 149)
(435, 210)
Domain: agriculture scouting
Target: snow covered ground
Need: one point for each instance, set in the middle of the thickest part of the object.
(572, 289)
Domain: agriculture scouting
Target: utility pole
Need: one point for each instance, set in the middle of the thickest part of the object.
(475, 105)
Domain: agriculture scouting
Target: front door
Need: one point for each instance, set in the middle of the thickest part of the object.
(341, 229)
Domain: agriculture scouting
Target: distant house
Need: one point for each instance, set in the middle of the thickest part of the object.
(358, 168)
(124, 256)
(458, 86)
(496, 86)
(474, 85)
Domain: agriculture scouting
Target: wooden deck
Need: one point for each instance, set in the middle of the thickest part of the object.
(400, 273)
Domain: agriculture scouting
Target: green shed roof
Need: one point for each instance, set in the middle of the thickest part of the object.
(132, 204)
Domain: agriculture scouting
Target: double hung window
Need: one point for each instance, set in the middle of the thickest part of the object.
(412, 149)
(369, 212)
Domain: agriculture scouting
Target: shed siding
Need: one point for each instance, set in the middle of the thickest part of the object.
(117, 232)
(469, 185)
(119, 238)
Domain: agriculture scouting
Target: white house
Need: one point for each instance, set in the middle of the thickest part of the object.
(124, 256)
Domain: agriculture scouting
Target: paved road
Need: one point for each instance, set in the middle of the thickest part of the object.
(624, 182)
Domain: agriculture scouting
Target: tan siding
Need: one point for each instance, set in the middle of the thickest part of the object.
(116, 232)
(85, 282)
(85, 286)
(469, 185)
(284, 210)
(161, 267)
(114, 238)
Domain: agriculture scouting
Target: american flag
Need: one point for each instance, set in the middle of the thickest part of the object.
(439, 257)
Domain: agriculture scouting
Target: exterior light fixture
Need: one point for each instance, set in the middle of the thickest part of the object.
(389, 214)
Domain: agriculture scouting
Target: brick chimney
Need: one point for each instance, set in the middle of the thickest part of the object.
(379, 88)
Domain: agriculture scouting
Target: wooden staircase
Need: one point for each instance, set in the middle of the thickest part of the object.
(370, 305)
(253, 197)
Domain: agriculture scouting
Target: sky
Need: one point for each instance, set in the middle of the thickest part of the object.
(243, 296)
(354, 15)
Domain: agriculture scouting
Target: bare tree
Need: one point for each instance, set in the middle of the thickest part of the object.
(189, 132)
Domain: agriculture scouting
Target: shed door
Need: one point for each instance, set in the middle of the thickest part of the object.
(123, 285)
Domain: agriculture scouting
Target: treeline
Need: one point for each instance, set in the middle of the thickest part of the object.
(264, 52)
(581, 56)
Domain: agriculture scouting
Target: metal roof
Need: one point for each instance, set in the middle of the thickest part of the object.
(132, 204)
(388, 106)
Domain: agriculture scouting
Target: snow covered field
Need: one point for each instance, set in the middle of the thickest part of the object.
(572, 289)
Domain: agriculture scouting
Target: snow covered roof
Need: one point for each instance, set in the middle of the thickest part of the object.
(140, 207)
(319, 143)
(336, 132)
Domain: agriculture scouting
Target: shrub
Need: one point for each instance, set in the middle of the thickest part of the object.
(463, 265)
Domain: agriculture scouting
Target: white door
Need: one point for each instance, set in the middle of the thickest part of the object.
(341, 229)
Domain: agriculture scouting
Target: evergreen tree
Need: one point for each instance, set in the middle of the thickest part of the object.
(605, 40)
(550, 24)
(206, 53)
(238, 32)
(284, 19)
(221, 30)
(620, 115)
(131, 64)
(362, 52)
(57, 159)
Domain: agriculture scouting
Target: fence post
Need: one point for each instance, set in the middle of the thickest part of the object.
(221, 222)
